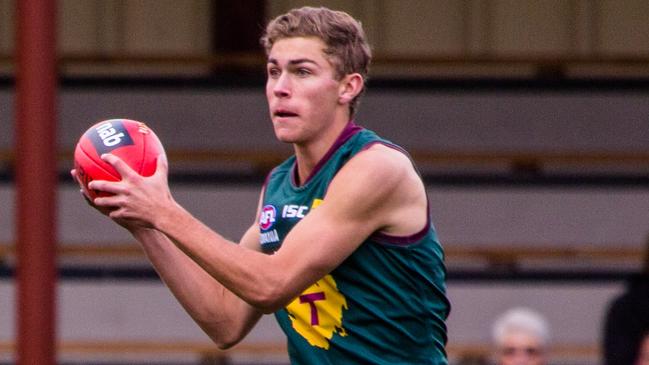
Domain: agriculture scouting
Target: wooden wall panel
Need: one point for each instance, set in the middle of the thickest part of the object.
(7, 12)
(394, 27)
(531, 27)
(79, 26)
(124, 26)
(584, 32)
(278, 7)
(167, 26)
(623, 26)
(412, 27)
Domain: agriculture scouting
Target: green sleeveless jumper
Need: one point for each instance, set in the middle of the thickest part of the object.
(385, 304)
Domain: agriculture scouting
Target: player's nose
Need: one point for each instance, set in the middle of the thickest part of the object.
(282, 86)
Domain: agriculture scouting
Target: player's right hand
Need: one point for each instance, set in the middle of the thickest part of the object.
(82, 190)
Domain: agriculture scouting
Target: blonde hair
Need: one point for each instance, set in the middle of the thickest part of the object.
(346, 45)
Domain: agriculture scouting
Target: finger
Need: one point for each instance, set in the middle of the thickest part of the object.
(86, 197)
(79, 180)
(162, 166)
(75, 176)
(103, 210)
(100, 202)
(122, 168)
(106, 204)
(115, 214)
(118, 214)
(111, 187)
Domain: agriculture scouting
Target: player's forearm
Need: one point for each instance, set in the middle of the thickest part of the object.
(216, 310)
(253, 276)
(173, 266)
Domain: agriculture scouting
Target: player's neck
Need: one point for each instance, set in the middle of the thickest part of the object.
(308, 155)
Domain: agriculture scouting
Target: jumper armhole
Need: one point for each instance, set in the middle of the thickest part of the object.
(387, 239)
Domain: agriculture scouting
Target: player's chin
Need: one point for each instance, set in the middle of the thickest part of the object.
(286, 138)
(287, 135)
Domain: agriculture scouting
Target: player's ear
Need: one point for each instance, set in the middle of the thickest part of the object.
(350, 86)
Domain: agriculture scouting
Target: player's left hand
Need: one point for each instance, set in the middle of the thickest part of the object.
(137, 199)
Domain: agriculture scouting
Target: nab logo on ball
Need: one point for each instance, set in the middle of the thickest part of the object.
(267, 217)
(109, 136)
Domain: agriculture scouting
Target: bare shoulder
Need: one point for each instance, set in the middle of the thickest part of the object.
(381, 184)
(384, 164)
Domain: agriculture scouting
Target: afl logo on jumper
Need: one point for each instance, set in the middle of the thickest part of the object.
(109, 136)
(267, 217)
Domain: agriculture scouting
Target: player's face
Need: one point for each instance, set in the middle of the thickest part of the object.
(643, 352)
(521, 349)
(302, 90)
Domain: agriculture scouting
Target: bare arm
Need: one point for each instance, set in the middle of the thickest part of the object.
(223, 316)
(376, 190)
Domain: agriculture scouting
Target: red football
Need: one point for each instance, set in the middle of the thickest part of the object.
(130, 140)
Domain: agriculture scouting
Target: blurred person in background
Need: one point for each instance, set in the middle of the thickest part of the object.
(627, 318)
(643, 351)
(520, 337)
(473, 359)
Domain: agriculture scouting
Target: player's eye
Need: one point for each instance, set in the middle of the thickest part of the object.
(273, 72)
(303, 71)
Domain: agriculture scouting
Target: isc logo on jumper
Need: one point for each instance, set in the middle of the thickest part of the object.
(109, 136)
(299, 211)
(294, 211)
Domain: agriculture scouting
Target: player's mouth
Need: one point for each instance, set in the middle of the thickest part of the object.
(284, 113)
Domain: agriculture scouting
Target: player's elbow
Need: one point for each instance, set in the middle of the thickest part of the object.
(223, 339)
(226, 343)
(224, 331)
(271, 298)
(270, 307)
(270, 303)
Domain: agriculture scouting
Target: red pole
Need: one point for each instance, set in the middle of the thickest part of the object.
(36, 181)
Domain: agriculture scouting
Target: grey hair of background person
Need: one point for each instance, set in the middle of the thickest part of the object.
(521, 320)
